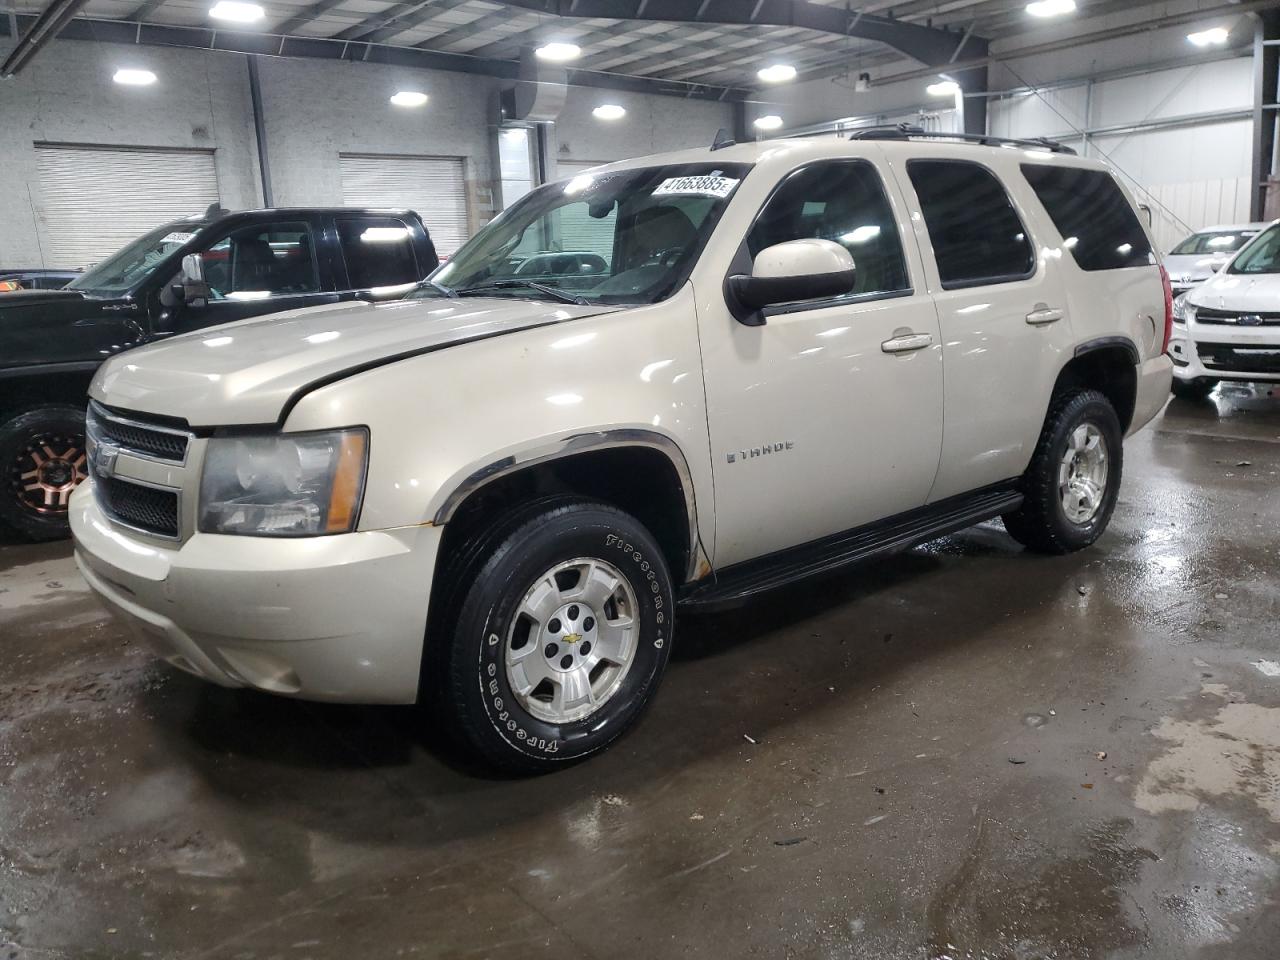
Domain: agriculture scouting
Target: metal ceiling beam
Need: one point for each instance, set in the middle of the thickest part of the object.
(143, 10)
(396, 20)
(929, 45)
(323, 48)
(43, 28)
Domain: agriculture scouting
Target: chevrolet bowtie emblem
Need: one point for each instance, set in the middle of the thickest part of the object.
(572, 637)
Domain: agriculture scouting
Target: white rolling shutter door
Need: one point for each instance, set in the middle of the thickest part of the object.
(94, 200)
(436, 187)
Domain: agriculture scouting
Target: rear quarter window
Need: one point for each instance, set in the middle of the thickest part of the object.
(1091, 212)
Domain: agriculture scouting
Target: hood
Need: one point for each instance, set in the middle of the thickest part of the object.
(247, 372)
(1194, 266)
(1257, 292)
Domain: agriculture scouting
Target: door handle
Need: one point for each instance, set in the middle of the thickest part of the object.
(907, 342)
(1043, 313)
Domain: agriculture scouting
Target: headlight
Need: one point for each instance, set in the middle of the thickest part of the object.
(1183, 311)
(284, 485)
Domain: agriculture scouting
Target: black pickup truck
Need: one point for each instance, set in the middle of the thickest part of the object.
(213, 268)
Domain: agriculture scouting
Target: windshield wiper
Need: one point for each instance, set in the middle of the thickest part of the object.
(561, 295)
(438, 287)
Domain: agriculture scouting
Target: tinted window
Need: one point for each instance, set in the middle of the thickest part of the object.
(976, 235)
(843, 201)
(260, 261)
(378, 252)
(1090, 211)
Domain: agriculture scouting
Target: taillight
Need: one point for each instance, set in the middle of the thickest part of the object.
(1168, 308)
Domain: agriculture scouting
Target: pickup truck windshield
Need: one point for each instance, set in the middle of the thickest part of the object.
(1261, 256)
(124, 268)
(628, 236)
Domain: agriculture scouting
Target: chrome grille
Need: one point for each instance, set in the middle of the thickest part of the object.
(137, 437)
(150, 509)
(1237, 318)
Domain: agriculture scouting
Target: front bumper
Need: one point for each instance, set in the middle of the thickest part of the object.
(1223, 352)
(338, 618)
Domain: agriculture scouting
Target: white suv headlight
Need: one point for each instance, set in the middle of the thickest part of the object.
(1183, 311)
(284, 485)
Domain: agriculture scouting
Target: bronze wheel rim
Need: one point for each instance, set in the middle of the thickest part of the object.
(46, 471)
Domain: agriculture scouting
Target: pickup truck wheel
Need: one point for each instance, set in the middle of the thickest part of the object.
(43, 456)
(1073, 481)
(1196, 389)
(560, 639)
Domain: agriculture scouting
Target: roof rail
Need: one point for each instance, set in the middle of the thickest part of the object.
(908, 131)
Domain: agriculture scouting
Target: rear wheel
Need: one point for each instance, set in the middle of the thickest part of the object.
(1196, 389)
(42, 455)
(1071, 486)
(561, 633)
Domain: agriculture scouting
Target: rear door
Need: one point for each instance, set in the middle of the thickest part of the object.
(377, 252)
(1002, 313)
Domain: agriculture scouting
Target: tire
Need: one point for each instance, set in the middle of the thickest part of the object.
(522, 650)
(1196, 389)
(1043, 522)
(35, 486)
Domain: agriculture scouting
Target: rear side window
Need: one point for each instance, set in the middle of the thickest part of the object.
(976, 234)
(378, 252)
(1090, 211)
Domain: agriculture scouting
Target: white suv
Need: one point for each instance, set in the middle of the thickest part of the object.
(676, 381)
(1228, 328)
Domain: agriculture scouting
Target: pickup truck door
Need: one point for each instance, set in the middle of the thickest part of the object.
(255, 269)
(829, 414)
(373, 253)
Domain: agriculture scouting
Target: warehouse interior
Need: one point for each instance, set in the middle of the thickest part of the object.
(961, 751)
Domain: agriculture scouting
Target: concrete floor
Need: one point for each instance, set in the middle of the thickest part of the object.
(924, 777)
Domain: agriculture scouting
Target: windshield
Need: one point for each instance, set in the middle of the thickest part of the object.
(1261, 256)
(124, 268)
(628, 236)
(1215, 241)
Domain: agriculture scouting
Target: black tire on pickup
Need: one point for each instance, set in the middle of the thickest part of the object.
(553, 637)
(1065, 508)
(1196, 389)
(42, 459)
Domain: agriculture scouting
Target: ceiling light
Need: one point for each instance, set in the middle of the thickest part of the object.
(1051, 8)
(777, 73)
(558, 52)
(1210, 37)
(409, 98)
(609, 111)
(770, 122)
(134, 78)
(236, 11)
(943, 88)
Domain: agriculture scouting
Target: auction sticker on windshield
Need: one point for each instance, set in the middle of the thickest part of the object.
(177, 237)
(708, 186)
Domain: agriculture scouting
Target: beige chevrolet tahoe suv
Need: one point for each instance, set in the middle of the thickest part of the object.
(670, 382)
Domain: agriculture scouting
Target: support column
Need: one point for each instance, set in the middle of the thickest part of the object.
(260, 132)
(973, 108)
(1266, 72)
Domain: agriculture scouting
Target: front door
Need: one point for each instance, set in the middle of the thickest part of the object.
(254, 270)
(829, 414)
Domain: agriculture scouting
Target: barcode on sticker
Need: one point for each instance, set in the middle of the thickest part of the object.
(709, 186)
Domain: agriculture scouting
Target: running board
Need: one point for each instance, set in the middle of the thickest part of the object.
(906, 530)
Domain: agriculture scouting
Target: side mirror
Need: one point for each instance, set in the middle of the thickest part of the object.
(194, 288)
(795, 270)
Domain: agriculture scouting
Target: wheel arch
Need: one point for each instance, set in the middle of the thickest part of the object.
(1108, 365)
(641, 471)
(22, 390)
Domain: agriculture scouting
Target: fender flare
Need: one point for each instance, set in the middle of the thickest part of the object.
(1105, 343)
(607, 439)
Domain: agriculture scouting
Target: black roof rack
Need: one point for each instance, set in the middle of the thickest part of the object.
(907, 131)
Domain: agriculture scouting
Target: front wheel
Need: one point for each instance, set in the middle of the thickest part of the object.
(1071, 486)
(42, 456)
(561, 638)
